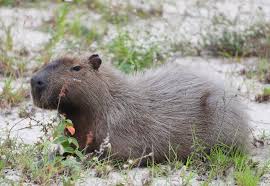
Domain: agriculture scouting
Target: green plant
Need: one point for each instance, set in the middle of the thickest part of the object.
(115, 14)
(144, 14)
(68, 144)
(10, 96)
(128, 57)
(84, 34)
(266, 91)
(261, 71)
(76, 27)
(71, 33)
(217, 160)
(8, 37)
(20, 67)
(121, 12)
(247, 177)
(58, 32)
(40, 163)
(187, 178)
(15, 2)
(60, 23)
(264, 96)
(6, 2)
(159, 170)
(6, 65)
(228, 42)
(11, 65)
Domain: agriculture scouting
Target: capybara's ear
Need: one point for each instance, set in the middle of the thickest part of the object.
(95, 61)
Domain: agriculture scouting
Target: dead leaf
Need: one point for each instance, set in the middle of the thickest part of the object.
(71, 129)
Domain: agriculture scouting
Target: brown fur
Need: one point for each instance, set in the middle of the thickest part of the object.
(157, 111)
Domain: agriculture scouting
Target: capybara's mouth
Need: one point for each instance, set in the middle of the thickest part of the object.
(39, 101)
(35, 97)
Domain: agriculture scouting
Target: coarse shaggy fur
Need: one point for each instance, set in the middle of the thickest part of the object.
(154, 111)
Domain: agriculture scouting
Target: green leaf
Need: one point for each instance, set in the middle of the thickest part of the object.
(68, 122)
(60, 139)
(266, 91)
(2, 164)
(69, 150)
(73, 141)
(65, 144)
(79, 154)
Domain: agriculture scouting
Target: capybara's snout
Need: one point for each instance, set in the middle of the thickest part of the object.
(38, 82)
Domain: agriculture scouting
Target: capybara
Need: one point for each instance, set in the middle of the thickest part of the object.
(160, 111)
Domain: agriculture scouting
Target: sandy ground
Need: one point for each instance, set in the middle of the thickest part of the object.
(181, 21)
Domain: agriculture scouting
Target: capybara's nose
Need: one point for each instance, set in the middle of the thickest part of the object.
(38, 82)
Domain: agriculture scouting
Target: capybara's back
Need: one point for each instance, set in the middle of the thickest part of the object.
(173, 107)
(162, 111)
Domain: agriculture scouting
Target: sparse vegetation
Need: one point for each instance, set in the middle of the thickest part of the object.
(8, 40)
(128, 57)
(11, 64)
(120, 13)
(247, 177)
(227, 41)
(6, 65)
(73, 32)
(264, 96)
(10, 96)
(54, 159)
(220, 160)
(260, 71)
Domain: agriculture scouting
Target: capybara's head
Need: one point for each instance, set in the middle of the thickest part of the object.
(67, 82)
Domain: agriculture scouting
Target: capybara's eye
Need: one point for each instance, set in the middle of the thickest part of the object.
(76, 68)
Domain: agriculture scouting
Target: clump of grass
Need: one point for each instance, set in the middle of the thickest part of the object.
(260, 72)
(6, 65)
(57, 32)
(10, 63)
(84, 34)
(60, 22)
(217, 160)
(115, 14)
(9, 3)
(121, 12)
(154, 11)
(220, 159)
(228, 42)
(247, 178)
(13, 3)
(6, 45)
(128, 57)
(69, 31)
(159, 170)
(246, 174)
(266, 91)
(264, 96)
(10, 96)
(8, 40)
(186, 48)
